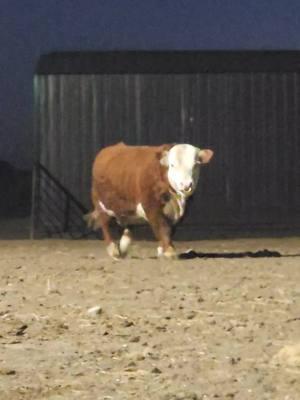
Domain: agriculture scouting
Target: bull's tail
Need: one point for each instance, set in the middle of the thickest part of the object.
(92, 220)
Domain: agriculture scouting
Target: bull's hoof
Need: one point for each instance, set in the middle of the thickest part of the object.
(169, 252)
(113, 251)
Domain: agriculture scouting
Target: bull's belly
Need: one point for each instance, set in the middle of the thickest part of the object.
(136, 217)
(173, 210)
(131, 220)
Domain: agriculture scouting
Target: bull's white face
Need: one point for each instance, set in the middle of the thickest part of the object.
(183, 162)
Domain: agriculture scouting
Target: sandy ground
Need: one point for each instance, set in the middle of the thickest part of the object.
(170, 330)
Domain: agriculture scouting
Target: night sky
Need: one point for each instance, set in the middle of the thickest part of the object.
(31, 27)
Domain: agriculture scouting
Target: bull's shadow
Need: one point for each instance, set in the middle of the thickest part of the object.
(191, 254)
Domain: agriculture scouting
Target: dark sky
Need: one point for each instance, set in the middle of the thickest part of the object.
(31, 27)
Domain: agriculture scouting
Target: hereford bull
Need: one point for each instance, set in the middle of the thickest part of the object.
(144, 184)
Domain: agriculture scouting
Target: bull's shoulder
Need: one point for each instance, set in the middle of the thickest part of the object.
(154, 186)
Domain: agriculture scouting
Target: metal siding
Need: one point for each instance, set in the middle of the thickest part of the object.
(295, 159)
(160, 105)
(251, 120)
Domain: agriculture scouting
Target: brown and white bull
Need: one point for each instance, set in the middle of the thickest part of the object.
(144, 184)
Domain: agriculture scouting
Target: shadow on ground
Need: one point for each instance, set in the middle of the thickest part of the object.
(190, 254)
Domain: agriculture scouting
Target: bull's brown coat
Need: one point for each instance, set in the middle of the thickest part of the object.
(124, 176)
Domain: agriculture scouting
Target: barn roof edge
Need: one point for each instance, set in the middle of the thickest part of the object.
(167, 62)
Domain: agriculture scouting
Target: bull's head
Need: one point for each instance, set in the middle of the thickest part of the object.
(183, 162)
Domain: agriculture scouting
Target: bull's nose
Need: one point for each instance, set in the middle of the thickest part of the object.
(188, 187)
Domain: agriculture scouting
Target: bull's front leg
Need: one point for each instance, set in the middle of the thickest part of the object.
(162, 231)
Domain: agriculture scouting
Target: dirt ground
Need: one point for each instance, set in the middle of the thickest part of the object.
(213, 328)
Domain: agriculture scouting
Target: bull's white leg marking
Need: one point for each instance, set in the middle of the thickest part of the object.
(108, 212)
(140, 212)
(160, 251)
(113, 251)
(125, 242)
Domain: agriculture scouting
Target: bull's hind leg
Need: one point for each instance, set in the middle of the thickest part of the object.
(111, 247)
(101, 219)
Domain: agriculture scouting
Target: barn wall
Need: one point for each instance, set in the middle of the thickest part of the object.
(250, 120)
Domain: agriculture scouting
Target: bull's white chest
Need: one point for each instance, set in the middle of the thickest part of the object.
(175, 207)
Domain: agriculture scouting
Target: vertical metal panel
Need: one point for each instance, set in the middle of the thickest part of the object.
(294, 181)
(251, 120)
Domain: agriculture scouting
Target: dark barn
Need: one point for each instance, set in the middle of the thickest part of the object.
(244, 105)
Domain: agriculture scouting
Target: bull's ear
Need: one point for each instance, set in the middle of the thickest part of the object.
(164, 159)
(204, 156)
